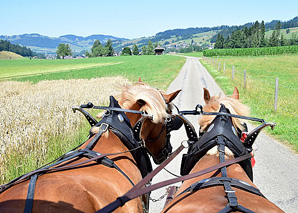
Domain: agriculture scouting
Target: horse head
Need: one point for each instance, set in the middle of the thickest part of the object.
(155, 132)
(214, 103)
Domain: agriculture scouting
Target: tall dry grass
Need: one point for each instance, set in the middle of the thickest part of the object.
(37, 123)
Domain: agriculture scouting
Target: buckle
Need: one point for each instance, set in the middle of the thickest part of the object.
(103, 127)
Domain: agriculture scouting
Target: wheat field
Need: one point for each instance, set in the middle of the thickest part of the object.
(34, 116)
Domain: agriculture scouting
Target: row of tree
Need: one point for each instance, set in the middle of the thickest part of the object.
(99, 50)
(254, 36)
(16, 48)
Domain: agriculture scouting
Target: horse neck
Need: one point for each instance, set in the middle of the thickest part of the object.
(233, 171)
(107, 143)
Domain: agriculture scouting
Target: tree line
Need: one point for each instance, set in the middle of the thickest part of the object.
(254, 36)
(16, 48)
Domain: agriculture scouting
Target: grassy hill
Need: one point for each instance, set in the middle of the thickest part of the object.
(293, 30)
(5, 55)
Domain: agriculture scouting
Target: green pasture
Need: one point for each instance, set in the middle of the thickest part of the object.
(293, 30)
(193, 54)
(261, 72)
(158, 71)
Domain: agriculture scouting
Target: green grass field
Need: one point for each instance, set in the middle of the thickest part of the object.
(193, 54)
(158, 71)
(259, 95)
(293, 30)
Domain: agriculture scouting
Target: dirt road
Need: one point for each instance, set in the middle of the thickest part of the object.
(276, 170)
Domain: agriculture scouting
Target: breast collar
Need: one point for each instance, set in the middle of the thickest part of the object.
(220, 126)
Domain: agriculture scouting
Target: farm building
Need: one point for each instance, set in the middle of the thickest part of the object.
(159, 50)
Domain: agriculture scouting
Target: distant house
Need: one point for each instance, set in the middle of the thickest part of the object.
(159, 50)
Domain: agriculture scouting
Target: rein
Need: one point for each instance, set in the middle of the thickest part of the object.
(137, 191)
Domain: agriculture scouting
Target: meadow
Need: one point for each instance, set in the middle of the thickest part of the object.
(261, 74)
(38, 124)
(156, 70)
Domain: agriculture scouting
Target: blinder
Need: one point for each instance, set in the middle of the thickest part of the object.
(220, 126)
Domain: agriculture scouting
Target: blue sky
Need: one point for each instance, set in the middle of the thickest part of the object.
(132, 18)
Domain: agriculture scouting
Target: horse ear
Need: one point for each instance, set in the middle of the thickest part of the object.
(206, 96)
(170, 97)
(235, 94)
(141, 102)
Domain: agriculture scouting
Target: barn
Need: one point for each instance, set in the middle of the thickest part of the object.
(159, 50)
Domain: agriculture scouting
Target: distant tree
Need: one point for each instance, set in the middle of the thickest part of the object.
(282, 41)
(150, 49)
(273, 41)
(110, 51)
(144, 50)
(219, 44)
(105, 51)
(262, 35)
(63, 50)
(277, 28)
(96, 49)
(156, 44)
(88, 54)
(126, 51)
(135, 50)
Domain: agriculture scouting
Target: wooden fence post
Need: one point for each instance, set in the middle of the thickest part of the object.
(224, 69)
(276, 94)
(233, 72)
(218, 68)
(244, 76)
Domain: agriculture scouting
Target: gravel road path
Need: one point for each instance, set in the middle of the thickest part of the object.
(276, 170)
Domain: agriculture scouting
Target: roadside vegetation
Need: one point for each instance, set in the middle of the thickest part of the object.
(261, 73)
(251, 51)
(38, 124)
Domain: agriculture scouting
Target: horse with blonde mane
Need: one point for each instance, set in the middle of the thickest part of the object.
(115, 159)
(229, 189)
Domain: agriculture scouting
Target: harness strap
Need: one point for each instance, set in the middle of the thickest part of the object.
(102, 128)
(137, 190)
(30, 195)
(233, 204)
(217, 181)
(240, 208)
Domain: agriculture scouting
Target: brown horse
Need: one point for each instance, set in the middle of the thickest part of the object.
(90, 187)
(231, 188)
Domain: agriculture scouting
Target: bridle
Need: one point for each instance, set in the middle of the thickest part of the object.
(221, 135)
(167, 150)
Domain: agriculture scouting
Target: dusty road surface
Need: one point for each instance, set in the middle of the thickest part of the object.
(276, 170)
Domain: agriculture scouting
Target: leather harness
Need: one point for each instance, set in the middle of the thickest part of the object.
(220, 133)
(114, 120)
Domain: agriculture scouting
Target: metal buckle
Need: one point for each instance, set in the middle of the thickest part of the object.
(103, 127)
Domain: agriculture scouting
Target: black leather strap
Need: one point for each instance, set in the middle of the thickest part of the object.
(30, 195)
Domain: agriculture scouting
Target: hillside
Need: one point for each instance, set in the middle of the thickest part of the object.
(45, 44)
(5, 55)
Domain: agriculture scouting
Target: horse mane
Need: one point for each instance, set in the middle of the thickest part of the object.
(234, 105)
(150, 100)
